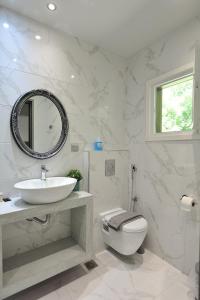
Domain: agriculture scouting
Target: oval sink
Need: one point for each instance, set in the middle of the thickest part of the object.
(53, 189)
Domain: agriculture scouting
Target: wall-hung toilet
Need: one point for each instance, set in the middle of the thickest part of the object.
(129, 238)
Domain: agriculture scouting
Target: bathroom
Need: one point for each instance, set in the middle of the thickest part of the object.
(98, 63)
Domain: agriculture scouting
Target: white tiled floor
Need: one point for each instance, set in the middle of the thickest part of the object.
(144, 277)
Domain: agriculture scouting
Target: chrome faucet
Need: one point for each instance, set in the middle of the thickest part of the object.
(44, 171)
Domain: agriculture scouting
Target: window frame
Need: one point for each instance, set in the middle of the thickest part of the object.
(152, 85)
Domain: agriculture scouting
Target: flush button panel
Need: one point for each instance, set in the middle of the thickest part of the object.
(109, 167)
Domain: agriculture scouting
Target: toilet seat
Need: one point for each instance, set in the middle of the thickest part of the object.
(137, 225)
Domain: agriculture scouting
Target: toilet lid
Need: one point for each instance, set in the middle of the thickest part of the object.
(136, 225)
(112, 214)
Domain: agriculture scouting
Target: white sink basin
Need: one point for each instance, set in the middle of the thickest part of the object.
(53, 189)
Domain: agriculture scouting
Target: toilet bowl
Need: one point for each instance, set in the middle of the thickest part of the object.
(129, 238)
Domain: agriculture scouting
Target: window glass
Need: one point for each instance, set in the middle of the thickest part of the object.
(174, 105)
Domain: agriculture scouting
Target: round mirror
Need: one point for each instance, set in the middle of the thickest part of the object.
(39, 124)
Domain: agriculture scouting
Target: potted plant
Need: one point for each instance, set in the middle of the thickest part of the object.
(74, 173)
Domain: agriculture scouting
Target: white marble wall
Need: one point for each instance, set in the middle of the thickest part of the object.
(166, 170)
(24, 236)
(94, 101)
(93, 98)
(109, 191)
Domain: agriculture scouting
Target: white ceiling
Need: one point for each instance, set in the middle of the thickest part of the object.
(121, 26)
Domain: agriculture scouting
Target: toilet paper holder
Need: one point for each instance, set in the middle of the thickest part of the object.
(193, 203)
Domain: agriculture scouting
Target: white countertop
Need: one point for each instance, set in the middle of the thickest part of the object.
(17, 209)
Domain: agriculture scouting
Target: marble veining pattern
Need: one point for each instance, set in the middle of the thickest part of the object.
(24, 236)
(94, 100)
(140, 277)
(166, 170)
(89, 82)
(108, 191)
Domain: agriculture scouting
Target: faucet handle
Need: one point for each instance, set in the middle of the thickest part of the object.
(44, 168)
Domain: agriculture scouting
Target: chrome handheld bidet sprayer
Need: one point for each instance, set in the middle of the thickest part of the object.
(133, 198)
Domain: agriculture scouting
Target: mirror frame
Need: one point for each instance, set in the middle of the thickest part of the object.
(14, 124)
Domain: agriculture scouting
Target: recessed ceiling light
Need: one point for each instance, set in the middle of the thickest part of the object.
(51, 6)
(72, 76)
(6, 25)
(38, 37)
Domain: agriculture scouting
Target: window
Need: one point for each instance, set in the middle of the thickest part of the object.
(170, 106)
(174, 102)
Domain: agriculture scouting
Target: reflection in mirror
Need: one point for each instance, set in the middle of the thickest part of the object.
(40, 124)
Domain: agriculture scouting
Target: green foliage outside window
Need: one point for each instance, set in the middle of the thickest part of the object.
(174, 106)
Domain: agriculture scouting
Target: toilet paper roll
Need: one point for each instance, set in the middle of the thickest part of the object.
(187, 203)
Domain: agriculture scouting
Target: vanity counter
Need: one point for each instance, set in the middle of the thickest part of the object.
(25, 269)
(17, 209)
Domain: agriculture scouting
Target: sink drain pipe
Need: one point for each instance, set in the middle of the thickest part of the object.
(40, 221)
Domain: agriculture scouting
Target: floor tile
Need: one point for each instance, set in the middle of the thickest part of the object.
(140, 277)
(176, 291)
